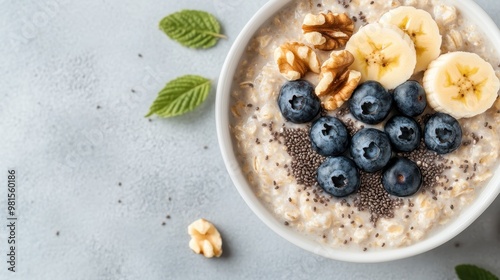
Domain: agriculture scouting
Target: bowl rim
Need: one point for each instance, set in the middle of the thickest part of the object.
(486, 196)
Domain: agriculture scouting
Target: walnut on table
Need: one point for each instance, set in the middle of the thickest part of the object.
(328, 31)
(337, 82)
(205, 238)
(295, 60)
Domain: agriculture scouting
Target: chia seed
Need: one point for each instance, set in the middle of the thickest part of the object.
(305, 161)
(373, 198)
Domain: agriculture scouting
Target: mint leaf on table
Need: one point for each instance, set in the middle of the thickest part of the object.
(472, 272)
(192, 28)
(180, 95)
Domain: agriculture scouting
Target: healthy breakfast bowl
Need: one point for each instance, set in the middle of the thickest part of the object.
(363, 131)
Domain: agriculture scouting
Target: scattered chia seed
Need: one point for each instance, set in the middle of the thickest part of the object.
(249, 105)
(452, 207)
(140, 55)
(168, 216)
(286, 223)
(120, 184)
(163, 224)
(57, 233)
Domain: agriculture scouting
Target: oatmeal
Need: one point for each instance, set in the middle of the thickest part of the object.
(281, 164)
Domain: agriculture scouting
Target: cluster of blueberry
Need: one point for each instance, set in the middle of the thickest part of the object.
(370, 149)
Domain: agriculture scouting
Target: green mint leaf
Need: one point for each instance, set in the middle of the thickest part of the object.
(192, 28)
(180, 95)
(472, 272)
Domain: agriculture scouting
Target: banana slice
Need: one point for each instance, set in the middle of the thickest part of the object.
(422, 29)
(461, 84)
(382, 53)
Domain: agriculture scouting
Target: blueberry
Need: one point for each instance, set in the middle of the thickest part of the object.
(410, 99)
(404, 133)
(370, 102)
(297, 101)
(370, 149)
(402, 177)
(442, 134)
(329, 136)
(338, 176)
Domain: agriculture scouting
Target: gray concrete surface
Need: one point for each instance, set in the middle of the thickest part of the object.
(96, 180)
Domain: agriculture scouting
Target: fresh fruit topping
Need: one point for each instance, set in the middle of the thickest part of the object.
(370, 102)
(328, 31)
(383, 53)
(402, 177)
(443, 133)
(336, 81)
(297, 101)
(294, 60)
(338, 176)
(410, 98)
(329, 136)
(404, 133)
(422, 29)
(370, 149)
(461, 84)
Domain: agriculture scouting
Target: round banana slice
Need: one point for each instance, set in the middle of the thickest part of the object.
(461, 84)
(422, 29)
(382, 53)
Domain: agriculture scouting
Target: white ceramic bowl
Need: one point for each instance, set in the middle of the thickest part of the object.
(485, 197)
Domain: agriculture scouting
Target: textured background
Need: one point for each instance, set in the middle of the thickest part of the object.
(97, 179)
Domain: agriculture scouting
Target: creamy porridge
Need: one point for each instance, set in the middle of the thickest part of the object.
(278, 161)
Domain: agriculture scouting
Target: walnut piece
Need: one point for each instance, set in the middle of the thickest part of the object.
(295, 60)
(337, 82)
(205, 239)
(328, 31)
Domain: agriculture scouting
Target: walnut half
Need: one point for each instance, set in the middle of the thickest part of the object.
(205, 238)
(337, 82)
(295, 60)
(328, 31)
